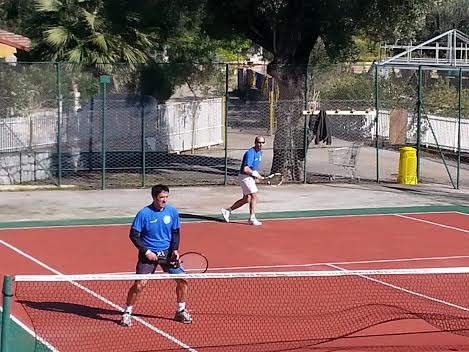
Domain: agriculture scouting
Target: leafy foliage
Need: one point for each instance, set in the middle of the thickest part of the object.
(34, 87)
(37, 85)
(442, 97)
(13, 14)
(341, 83)
(289, 29)
(79, 31)
(446, 15)
(365, 49)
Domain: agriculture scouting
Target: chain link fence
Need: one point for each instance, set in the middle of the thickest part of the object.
(117, 126)
(427, 108)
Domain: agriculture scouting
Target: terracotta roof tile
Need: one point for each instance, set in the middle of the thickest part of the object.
(15, 40)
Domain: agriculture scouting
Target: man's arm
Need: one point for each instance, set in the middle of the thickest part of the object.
(135, 237)
(254, 173)
(248, 163)
(174, 244)
(247, 170)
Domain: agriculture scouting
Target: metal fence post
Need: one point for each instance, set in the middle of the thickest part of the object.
(104, 79)
(459, 127)
(271, 113)
(143, 139)
(377, 120)
(59, 121)
(225, 124)
(419, 118)
(7, 293)
(305, 128)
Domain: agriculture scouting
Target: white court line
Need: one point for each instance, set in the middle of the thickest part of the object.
(279, 266)
(99, 297)
(406, 290)
(240, 221)
(60, 226)
(31, 332)
(432, 223)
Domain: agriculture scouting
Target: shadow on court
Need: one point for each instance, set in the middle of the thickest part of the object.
(200, 217)
(85, 311)
(239, 219)
(438, 194)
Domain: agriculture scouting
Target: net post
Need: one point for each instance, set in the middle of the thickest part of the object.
(7, 293)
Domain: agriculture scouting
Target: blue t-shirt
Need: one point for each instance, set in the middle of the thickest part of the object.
(156, 226)
(251, 158)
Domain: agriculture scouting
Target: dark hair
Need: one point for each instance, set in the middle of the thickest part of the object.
(157, 189)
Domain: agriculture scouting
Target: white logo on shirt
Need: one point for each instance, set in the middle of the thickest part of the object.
(153, 221)
(167, 219)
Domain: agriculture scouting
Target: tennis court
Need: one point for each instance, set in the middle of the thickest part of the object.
(319, 302)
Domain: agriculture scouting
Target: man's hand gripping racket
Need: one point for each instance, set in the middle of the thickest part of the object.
(274, 180)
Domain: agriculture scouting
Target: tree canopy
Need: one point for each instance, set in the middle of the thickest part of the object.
(187, 32)
(289, 29)
(446, 15)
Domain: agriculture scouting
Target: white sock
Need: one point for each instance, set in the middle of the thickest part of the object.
(229, 210)
(252, 218)
(128, 309)
(181, 306)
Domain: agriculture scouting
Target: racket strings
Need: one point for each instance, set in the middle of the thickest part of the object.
(193, 263)
(275, 179)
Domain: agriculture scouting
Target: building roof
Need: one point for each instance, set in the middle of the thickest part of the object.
(15, 40)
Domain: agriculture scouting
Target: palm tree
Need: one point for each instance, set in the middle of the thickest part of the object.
(82, 33)
(79, 31)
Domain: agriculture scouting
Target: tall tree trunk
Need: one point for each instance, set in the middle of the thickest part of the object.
(289, 138)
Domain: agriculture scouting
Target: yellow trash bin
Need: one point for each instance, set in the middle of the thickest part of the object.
(407, 166)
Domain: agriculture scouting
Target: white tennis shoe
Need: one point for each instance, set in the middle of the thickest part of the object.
(126, 319)
(183, 316)
(226, 214)
(255, 222)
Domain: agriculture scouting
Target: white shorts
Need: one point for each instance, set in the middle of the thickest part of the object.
(248, 184)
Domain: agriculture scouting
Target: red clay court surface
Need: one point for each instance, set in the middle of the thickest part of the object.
(247, 315)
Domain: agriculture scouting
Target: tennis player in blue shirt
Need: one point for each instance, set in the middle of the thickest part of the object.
(248, 179)
(155, 232)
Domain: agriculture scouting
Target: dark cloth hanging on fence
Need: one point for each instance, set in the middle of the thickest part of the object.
(321, 129)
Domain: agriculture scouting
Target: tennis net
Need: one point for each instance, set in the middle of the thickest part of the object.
(378, 310)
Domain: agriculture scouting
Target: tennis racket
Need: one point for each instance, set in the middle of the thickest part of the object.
(193, 263)
(274, 180)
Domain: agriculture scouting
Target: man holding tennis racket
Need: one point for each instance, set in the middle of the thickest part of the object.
(248, 179)
(155, 232)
